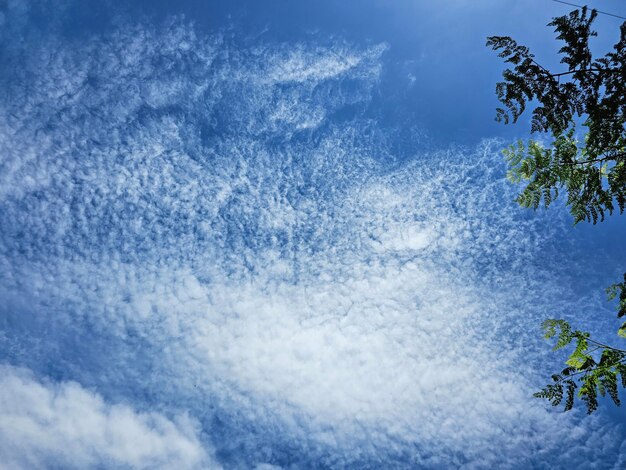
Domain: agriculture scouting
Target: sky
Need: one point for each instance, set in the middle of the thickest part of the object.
(278, 235)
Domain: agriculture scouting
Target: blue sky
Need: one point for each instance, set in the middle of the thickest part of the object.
(278, 235)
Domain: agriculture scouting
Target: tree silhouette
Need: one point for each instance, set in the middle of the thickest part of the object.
(590, 94)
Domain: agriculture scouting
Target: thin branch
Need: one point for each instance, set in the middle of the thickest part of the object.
(583, 70)
(596, 160)
(541, 67)
(586, 371)
(605, 345)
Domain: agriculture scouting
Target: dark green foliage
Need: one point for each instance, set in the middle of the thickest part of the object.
(591, 91)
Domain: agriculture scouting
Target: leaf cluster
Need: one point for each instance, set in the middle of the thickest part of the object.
(614, 291)
(593, 188)
(593, 172)
(590, 375)
(593, 368)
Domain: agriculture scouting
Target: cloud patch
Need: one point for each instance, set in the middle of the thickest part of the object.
(44, 425)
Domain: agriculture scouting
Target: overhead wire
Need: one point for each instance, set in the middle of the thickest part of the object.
(580, 6)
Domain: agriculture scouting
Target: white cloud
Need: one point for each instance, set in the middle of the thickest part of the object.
(306, 64)
(44, 425)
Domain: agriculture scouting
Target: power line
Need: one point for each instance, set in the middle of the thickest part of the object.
(580, 6)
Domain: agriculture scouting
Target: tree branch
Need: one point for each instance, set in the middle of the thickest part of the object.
(584, 70)
(586, 371)
(606, 346)
(596, 160)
